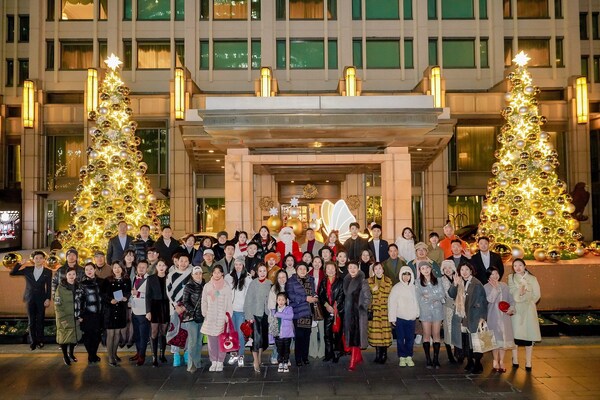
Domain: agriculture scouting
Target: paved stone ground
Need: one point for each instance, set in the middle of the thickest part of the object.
(565, 368)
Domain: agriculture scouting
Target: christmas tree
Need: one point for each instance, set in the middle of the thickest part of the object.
(527, 208)
(113, 186)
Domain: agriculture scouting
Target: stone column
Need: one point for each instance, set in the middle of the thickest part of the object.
(435, 194)
(182, 187)
(239, 191)
(396, 191)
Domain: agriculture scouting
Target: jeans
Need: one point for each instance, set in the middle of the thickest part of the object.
(194, 343)
(141, 328)
(238, 318)
(405, 336)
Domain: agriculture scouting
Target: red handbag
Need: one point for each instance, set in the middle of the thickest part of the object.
(247, 329)
(504, 306)
(177, 335)
(229, 340)
(337, 321)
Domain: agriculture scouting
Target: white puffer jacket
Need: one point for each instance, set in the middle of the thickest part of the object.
(402, 302)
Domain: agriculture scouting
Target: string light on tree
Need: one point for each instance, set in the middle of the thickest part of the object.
(527, 208)
(113, 186)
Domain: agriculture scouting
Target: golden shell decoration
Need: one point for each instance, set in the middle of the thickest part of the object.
(310, 191)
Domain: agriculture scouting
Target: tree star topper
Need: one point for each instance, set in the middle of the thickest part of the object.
(113, 62)
(521, 59)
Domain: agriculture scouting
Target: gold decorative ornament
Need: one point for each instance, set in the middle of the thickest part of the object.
(310, 191)
(353, 202)
(266, 203)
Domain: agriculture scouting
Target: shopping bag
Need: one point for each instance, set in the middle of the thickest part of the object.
(247, 329)
(483, 340)
(229, 340)
(176, 335)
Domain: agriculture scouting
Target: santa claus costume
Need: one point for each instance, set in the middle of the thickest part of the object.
(287, 245)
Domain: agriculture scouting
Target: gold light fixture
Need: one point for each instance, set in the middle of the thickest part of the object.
(435, 86)
(91, 100)
(179, 93)
(350, 78)
(581, 100)
(265, 82)
(28, 104)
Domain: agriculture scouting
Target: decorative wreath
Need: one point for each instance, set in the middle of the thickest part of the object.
(310, 191)
(266, 203)
(353, 202)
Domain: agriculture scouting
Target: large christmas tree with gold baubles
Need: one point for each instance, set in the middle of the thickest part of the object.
(113, 186)
(527, 210)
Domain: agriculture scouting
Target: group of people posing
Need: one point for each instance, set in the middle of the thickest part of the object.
(331, 299)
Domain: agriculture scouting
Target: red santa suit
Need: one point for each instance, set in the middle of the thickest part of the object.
(287, 245)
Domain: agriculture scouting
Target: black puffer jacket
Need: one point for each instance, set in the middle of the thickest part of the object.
(192, 298)
(90, 299)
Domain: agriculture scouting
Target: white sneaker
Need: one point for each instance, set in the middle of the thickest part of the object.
(286, 368)
(219, 367)
(402, 362)
(289, 364)
(410, 362)
(274, 361)
(233, 358)
(192, 368)
(213, 367)
(418, 339)
(280, 369)
(240, 361)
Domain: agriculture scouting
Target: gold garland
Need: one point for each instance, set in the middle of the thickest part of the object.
(310, 191)
(266, 203)
(353, 202)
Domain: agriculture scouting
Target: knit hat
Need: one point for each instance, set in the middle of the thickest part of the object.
(208, 251)
(421, 263)
(240, 259)
(421, 245)
(448, 264)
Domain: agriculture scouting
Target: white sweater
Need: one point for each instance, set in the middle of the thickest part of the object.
(238, 296)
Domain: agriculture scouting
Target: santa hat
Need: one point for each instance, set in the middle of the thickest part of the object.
(287, 230)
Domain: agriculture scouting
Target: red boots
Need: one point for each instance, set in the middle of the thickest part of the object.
(356, 358)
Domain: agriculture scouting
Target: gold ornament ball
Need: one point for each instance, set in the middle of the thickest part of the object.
(294, 212)
(594, 247)
(473, 247)
(540, 254)
(517, 251)
(504, 250)
(573, 224)
(296, 225)
(580, 251)
(553, 255)
(11, 259)
(274, 223)
(62, 255)
(53, 262)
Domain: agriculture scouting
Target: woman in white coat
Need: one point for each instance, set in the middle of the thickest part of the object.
(403, 310)
(525, 290)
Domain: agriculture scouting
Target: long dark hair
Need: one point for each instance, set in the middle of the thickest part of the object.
(238, 283)
(432, 278)
(276, 288)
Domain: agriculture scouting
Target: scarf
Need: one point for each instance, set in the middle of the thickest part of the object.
(459, 302)
(215, 288)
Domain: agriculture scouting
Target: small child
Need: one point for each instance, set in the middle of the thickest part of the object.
(283, 341)
(403, 310)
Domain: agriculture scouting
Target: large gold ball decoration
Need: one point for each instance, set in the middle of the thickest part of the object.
(553, 255)
(573, 224)
(540, 254)
(11, 259)
(296, 226)
(517, 251)
(274, 223)
(594, 247)
(504, 250)
(294, 212)
(53, 262)
(580, 251)
(473, 247)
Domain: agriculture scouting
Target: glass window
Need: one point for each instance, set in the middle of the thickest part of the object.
(407, 9)
(24, 28)
(307, 54)
(464, 210)
(281, 54)
(483, 53)
(306, 9)
(50, 10)
(236, 9)
(332, 54)
(179, 53)
(127, 55)
(538, 50)
(508, 52)
(204, 10)
(457, 9)
(10, 72)
(595, 33)
(153, 146)
(102, 51)
(49, 54)
(77, 10)
(154, 10)
(357, 53)
(211, 214)
(23, 70)
(383, 54)
(585, 60)
(13, 164)
(382, 9)
(10, 28)
(532, 9)
(127, 13)
(356, 9)
(507, 9)
(204, 60)
(475, 147)
(596, 68)
(558, 14)
(432, 50)
(76, 55)
(103, 10)
(483, 9)
(560, 61)
(65, 157)
(153, 55)
(458, 53)
(179, 10)
(234, 54)
(408, 53)
(431, 9)
(583, 26)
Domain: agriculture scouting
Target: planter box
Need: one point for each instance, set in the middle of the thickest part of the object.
(568, 325)
(548, 328)
(13, 339)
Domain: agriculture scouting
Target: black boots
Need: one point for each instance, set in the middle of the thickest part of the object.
(66, 358)
(477, 367)
(436, 355)
(154, 345)
(71, 350)
(383, 358)
(163, 347)
(428, 364)
(377, 359)
(450, 356)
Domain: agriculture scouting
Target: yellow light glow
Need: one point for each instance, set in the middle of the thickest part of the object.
(92, 90)
(28, 104)
(179, 94)
(436, 86)
(265, 82)
(581, 100)
(350, 78)
(521, 59)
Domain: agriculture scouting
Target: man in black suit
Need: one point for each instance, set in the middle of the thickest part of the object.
(166, 245)
(378, 246)
(484, 259)
(37, 295)
(459, 255)
(118, 244)
(355, 244)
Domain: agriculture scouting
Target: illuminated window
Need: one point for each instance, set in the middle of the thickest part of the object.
(233, 54)
(65, 156)
(307, 54)
(306, 9)
(236, 9)
(382, 9)
(73, 10)
(531, 9)
(157, 55)
(76, 55)
(155, 10)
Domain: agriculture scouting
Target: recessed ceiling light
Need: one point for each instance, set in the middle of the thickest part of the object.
(327, 181)
(217, 160)
(291, 181)
(419, 149)
(211, 151)
(222, 166)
